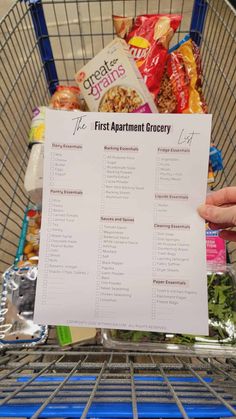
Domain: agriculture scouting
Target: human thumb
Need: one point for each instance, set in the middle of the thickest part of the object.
(218, 215)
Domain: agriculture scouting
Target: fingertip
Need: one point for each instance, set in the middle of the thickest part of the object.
(202, 210)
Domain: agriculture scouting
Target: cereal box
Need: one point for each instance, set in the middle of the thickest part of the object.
(111, 82)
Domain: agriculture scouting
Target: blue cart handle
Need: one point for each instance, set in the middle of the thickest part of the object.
(44, 44)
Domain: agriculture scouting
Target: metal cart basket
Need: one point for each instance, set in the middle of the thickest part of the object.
(43, 43)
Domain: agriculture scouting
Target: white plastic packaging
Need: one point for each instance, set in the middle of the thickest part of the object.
(34, 174)
(17, 296)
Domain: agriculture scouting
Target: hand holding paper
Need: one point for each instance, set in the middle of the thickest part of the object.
(220, 211)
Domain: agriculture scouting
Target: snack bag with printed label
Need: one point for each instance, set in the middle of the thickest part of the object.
(191, 56)
(122, 25)
(181, 84)
(173, 96)
(148, 43)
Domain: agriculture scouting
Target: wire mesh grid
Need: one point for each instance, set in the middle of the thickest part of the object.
(218, 57)
(87, 383)
(79, 30)
(22, 86)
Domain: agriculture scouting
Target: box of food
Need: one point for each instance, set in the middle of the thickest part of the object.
(73, 335)
(111, 82)
(222, 325)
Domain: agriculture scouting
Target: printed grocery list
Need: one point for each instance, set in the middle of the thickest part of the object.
(122, 245)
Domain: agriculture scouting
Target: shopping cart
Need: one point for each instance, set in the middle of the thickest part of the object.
(42, 44)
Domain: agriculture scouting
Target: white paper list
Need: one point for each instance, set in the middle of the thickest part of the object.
(122, 245)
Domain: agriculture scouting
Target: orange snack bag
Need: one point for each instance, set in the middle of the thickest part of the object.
(191, 57)
(181, 84)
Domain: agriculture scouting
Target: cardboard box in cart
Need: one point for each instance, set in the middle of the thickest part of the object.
(111, 82)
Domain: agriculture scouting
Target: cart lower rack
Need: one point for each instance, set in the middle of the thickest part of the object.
(89, 383)
(44, 43)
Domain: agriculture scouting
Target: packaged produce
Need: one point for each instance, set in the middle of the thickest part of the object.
(17, 306)
(111, 82)
(70, 335)
(222, 324)
(149, 41)
(66, 98)
(221, 306)
(28, 249)
(33, 181)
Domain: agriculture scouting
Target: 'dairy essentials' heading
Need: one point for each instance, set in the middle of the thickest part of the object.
(113, 126)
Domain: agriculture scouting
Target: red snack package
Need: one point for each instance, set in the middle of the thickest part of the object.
(147, 30)
(173, 96)
(149, 42)
(122, 25)
(181, 85)
(180, 81)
